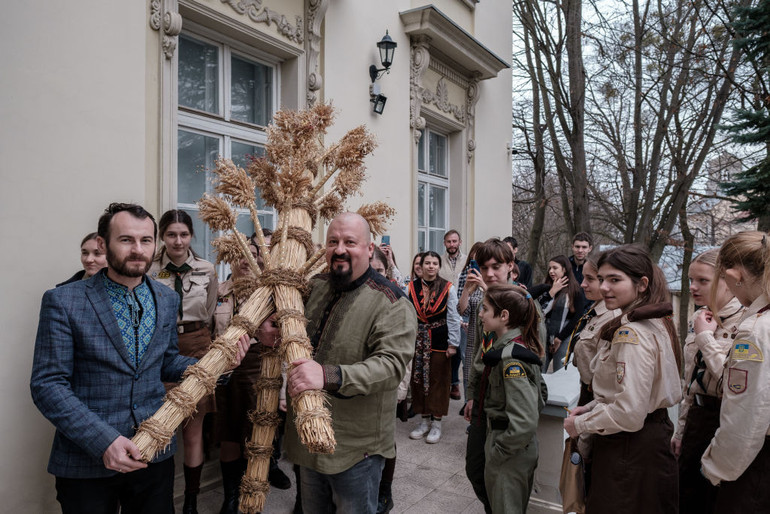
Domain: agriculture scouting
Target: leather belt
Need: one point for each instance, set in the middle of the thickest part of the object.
(497, 424)
(707, 402)
(189, 326)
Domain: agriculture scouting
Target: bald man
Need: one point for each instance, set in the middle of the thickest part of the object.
(362, 329)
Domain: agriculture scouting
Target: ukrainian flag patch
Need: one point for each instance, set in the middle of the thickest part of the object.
(514, 371)
(745, 350)
(625, 335)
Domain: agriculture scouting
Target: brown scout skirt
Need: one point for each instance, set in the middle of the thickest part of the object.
(436, 402)
(635, 472)
(696, 494)
(236, 398)
(750, 493)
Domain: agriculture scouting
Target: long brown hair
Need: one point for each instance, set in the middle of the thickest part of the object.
(521, 309)
(573, 288)
(634, 260)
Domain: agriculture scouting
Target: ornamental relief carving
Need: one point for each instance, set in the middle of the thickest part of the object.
(315, 10)
(258, 14)
(419, 64)
(441, 100)
(169, 23)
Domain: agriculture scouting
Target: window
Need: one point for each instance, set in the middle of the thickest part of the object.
(226, 98)
(432, 191)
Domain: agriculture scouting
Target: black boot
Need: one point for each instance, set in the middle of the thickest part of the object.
(277, 477)
(192, 486)
(232, 472)
(190, 504)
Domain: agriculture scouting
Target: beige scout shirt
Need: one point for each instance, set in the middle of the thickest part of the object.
(588, 340)
(714, 346)
(634, 375)
(199, 286)
(744, 420)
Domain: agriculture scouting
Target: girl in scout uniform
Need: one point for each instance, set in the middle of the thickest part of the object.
(195, 280)
(705, 353)
(635, 379)
(738, 458)
(512, 395)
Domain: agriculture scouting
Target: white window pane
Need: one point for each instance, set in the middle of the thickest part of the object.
(421, 153)
(421, 241)
(198, 75)
(195, 155)
(251, 92)
(242, 155)
(201, 243)
(437, 155)
(421, 204)
(244, 224)
(437, 241)
(267, 220)
(437, 208)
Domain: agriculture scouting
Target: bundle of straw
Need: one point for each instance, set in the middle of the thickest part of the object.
(290, 177)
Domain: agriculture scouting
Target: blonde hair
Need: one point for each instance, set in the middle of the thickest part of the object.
(751, 251)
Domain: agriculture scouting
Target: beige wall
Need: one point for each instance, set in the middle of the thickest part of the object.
(72, 139)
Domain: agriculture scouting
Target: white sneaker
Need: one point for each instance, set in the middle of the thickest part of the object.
(435, 433)
(420, 431)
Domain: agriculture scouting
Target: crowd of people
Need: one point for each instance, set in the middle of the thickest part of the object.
(114, 337)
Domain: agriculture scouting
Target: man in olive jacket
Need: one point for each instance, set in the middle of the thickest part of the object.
(363, 329)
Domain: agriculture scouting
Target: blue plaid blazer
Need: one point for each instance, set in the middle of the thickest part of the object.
(84, 381)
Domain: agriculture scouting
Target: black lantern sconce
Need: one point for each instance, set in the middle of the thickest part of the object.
(387, 48)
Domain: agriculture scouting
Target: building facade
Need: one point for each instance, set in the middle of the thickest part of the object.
(133, 101)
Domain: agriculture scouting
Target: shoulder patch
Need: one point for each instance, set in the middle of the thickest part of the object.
(745, 350)
(163, 274)
(620, 372)
(625, 335)
(514, 370)
(737, 380)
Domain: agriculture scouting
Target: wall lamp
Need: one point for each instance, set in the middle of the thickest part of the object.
(387, 48)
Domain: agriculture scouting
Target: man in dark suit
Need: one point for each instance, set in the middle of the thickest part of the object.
(104, 348)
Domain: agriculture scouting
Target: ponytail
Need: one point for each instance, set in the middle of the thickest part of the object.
(522, 312)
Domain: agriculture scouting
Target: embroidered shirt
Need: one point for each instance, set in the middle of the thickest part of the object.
(135, 313)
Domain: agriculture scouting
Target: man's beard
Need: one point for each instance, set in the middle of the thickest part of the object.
(452, 251)
(340, 279)
(121, 267)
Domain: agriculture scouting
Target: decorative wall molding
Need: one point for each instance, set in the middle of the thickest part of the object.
(471, 98)
(169, 23)
(441, 100)
(447, 72)
(315, 10)
(251, 8)
(420, 59)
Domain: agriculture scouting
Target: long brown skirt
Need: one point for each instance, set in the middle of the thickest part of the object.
(750, 492)
(196, 344)
(696, 494)
(635, 472)
(436, 402)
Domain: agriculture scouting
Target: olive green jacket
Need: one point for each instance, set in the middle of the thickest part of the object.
(515, 391)
(364, 337)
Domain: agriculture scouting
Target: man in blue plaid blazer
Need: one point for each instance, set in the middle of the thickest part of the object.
(104, 348)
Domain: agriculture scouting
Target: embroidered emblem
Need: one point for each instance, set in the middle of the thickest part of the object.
(737, 379)
(625, 335)
(745, 350)
(163, 274)
(620, 372)
(514, 371)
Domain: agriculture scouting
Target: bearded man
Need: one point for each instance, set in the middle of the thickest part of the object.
(104, 348)
(363, 330)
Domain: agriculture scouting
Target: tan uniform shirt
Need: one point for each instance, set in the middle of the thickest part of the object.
(588, 340)
(199, 287)
(714, 346)
(634, 375)
(744, 419)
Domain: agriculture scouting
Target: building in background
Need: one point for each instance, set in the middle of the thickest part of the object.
(133, 101)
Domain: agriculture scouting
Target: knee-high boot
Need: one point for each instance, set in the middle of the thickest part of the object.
(232, 472)
(192, 486)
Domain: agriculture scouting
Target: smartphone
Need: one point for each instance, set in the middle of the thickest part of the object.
(474, 265)
(386, 240)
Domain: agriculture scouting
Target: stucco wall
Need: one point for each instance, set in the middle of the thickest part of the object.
(72, 140)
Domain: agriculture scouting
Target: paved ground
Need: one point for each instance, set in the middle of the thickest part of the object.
(429, 478)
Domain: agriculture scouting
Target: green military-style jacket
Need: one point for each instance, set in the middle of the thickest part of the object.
(515, 391)
(364, 337)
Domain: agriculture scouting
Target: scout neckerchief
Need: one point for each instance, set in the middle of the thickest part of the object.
(581, 324)
(429, 317)
(178, 272)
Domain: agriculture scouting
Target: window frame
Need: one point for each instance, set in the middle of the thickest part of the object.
(431, 180)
